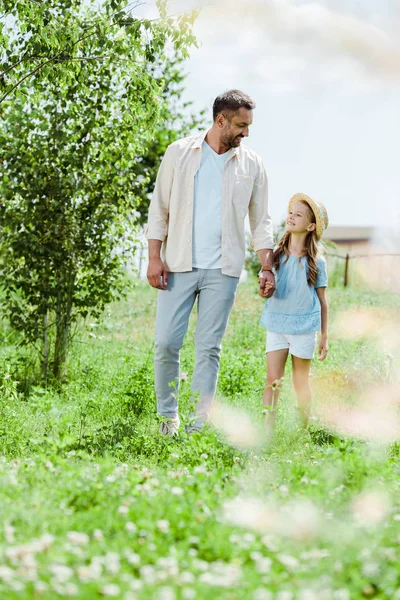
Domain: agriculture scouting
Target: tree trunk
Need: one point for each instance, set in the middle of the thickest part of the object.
(45, 348)
(63, 324)
(61, 347)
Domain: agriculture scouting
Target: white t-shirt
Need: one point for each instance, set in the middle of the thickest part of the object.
(207, 213)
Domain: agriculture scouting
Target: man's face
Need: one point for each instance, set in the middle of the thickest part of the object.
(235, 127)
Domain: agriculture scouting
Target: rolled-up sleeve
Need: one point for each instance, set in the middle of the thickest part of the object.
(157, 224)
(259, 217)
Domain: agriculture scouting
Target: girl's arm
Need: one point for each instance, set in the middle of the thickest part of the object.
(323, 343)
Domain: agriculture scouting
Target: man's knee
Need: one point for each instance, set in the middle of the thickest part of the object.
(167, 344)
(208, 351)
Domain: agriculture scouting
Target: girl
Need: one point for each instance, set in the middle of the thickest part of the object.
(298, 307)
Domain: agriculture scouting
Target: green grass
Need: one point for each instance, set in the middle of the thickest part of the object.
(95, 503)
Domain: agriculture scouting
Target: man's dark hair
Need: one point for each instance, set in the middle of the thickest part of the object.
(232, 101)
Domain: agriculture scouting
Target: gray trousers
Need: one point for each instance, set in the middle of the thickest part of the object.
(215, 294)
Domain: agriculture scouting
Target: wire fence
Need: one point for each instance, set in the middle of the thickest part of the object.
(365, 270)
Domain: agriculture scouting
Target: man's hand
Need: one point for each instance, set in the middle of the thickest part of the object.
(266, 282)
(157, 274)
(323, 348)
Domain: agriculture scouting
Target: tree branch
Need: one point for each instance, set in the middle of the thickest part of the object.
(19, 62)
(25, 77)
(57, 58)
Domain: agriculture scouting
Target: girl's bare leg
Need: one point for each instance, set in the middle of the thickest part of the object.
(276, 361)
(301, 382)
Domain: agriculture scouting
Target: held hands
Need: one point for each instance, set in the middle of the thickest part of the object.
(267, 284)
(323, 348)
(157, 274)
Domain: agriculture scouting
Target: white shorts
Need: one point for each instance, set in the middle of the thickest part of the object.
(301, 345)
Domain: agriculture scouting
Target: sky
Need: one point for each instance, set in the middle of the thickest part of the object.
(325, 76)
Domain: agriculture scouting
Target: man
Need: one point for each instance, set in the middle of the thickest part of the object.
(205, 187)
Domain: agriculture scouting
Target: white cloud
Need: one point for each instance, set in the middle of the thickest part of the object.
(305, 42)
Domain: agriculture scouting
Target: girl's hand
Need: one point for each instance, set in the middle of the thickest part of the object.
(265, 291)
(266, 283)
(323, 348)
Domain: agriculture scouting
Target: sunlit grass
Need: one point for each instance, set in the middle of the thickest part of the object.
(96, 504)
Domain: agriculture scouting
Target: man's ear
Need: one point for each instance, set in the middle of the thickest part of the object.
(220, 121)
(312, 227)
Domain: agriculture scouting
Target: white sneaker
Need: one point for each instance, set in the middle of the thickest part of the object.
(170, 426)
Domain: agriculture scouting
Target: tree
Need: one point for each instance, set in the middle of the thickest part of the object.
(48, 41)
(70, 139)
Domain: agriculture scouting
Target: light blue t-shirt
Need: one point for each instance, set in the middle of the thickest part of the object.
(207, 211)
(294, 307)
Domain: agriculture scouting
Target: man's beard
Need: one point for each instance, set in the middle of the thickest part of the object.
(233, 142)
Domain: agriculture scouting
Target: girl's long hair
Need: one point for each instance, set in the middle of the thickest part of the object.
(310, 251)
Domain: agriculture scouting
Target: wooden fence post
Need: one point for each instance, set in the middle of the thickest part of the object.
(346, 271)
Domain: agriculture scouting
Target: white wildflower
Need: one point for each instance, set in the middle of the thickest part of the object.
(92, 572)
(200, 469)
(40, 587)
(187, 577)
(6, 573)
(9, 532)
(77, 537)
(285, 594)
(136, 584)
(166, 593)
(163, 525)
(147, 573)
(98, 535)
(132, 557)
(308, 595)
(130, 527)
(371, 570)
(110, 589)
(200, 565)
(123, 510)
(290, 562)
(71, 589)
(341, 594)
(194, 540)
(16, 585)
(221, 574)
(61, 572)
(264, 564)
(262, 594)
(176, 491)
(45, 541)
(112, 562)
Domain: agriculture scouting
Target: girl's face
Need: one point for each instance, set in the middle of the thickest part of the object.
(299, 219)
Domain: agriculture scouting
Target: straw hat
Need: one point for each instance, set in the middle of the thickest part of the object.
(319, 210)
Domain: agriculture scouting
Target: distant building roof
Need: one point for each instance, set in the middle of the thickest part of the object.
(337, 233)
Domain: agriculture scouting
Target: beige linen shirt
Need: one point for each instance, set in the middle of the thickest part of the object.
(244, 190)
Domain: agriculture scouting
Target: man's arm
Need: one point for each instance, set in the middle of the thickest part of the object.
(261, 231)
(157, 224)
(266, 275)
(157, 275)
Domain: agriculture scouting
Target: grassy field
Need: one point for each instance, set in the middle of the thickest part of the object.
(96, 504)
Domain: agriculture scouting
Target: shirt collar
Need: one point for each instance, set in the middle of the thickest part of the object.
(198, 142)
